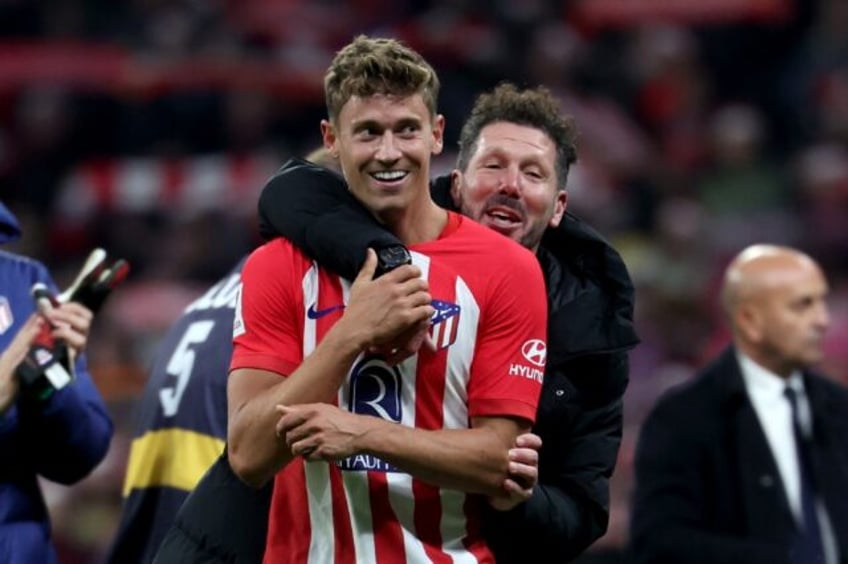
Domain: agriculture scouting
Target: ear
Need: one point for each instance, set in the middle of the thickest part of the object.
(749, 321)
(456, 187)
(438, 134)
(559, 208)
(328, 135)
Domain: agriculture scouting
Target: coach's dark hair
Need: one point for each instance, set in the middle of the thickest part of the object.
(532, 107)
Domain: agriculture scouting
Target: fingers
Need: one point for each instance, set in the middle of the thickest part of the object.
(368, 267)
(291, 429)
(516, 491)
(524, 467)
(18, 348)
(528, 440)
(409, 343)
(289, 418)
(71, 322)
(25, 336)
(76, 315)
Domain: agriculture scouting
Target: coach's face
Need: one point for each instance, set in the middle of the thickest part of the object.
(510, 184)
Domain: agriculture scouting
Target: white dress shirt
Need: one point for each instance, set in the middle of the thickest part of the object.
(765, 390)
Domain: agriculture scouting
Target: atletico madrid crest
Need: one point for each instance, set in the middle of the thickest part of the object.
(444, 323)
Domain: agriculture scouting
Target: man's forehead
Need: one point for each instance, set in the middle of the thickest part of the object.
(784, 279)
(512, 136)
(384, 108)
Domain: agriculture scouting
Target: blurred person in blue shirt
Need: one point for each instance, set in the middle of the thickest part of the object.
(61, 435)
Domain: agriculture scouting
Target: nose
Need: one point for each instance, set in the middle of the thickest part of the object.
(510, 184)
(387, 150)
(823, 316)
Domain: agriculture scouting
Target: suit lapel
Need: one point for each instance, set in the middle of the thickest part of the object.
(766, 510)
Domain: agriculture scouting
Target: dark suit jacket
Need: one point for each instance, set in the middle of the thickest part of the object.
(708, 489)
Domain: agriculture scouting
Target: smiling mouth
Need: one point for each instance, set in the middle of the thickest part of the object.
(389, 176)
(502, 218)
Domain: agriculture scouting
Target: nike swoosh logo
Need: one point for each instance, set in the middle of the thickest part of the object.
(313, 313)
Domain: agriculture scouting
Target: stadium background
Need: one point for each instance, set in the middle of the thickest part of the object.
(149, 126)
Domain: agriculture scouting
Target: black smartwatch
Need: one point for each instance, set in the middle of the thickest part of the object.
(391, 257)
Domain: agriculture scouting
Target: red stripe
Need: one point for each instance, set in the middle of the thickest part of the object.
(288, 539)
(478, 546)
(245, 175)
(343, 532)
(173, 181)
(102, 177)
(429, 405)
(388, 537)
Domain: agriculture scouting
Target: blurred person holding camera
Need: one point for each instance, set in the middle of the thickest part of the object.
(49, 427)
(747, 463)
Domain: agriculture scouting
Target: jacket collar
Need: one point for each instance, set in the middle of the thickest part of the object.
(727, 375)
(590, 294)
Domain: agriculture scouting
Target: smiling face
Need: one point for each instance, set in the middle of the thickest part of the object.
(384, 144)
(510, 183)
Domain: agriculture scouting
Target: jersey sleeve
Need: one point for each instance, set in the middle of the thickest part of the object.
(509, 361)
(266, 331)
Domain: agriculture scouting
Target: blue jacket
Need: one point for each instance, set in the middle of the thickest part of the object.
(61, 438)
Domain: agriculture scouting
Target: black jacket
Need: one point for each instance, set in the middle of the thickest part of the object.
(590, 331)
(708, 488)
(222, 521)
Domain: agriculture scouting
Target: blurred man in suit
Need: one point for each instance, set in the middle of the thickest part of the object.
(747, 463)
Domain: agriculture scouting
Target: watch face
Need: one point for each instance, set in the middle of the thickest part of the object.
(389, 258)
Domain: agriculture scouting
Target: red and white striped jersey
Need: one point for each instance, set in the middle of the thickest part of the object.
(490, 305)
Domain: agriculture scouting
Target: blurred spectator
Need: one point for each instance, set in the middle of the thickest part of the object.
(746, 464)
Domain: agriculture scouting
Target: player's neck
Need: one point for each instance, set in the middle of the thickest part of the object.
(418, 223)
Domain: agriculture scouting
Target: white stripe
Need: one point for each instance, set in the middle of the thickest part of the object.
(436, 334)
(77, 197)
(205, 183)
(447, 331)
(361, 521)
(453, 527)
(139, 184)
(319, 494)
(322, 540)
(402, 500)
(310, 296)
(356, 488)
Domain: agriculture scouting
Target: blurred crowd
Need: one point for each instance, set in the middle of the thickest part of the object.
(148, 128)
